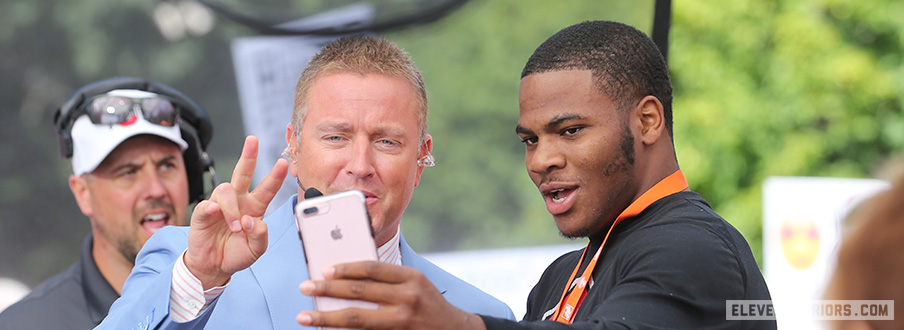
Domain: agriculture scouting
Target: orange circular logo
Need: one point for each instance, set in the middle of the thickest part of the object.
(800, 241)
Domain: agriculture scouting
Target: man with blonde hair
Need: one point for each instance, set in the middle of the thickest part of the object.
(359, 123)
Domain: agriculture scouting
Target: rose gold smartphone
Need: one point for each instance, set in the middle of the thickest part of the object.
(335, 229)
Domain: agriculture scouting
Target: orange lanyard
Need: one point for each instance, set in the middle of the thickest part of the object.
(569, 303)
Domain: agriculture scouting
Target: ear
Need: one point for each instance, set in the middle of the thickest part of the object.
(79, 187)
(652, 119)
(426, 149)
(292, 148)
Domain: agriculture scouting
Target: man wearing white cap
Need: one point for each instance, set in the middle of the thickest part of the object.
(129, 179)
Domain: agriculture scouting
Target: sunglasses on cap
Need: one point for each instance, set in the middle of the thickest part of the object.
(110, 109)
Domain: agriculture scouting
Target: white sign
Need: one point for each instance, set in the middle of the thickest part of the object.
(802, 227)
(266, 70)
(507, 274)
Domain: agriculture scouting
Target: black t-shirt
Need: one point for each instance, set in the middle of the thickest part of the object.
(77, 298)
(674, 265)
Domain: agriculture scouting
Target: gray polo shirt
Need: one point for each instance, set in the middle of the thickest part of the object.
(77, 298)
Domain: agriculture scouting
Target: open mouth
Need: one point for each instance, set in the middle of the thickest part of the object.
(559, 200)
(154, 221)
(560, 195)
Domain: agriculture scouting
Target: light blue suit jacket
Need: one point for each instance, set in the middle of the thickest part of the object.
(263, 296)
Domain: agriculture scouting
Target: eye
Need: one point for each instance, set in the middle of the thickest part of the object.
(126, 173)
(333, 139)
(572, 130)
(167, 165)
(529, 140)
(387, 144)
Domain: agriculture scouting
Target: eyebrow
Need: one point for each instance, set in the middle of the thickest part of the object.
(334, 127)
(345, 127)
(521, 130)
(134, 165)
(119, 168)
(561, 118)
(166, 159)
(552, 124)
(392, 131)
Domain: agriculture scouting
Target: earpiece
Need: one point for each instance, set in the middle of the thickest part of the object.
(427, 161)
(289, 155)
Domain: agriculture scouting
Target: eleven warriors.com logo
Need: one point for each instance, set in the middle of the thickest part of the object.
(854, 310)
(815, 309)
(749, 310)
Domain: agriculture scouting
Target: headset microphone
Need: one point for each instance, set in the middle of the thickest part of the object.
(312, 192)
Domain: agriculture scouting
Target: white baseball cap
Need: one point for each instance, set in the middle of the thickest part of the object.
(91, 143)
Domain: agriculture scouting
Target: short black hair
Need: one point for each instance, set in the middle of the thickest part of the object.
(626, 65)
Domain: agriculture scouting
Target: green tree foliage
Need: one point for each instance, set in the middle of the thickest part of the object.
(784, 88)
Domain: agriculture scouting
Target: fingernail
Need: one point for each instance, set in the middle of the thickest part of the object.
(235, 226)
(329, 271)
(304, 319)
(250, 222)
(306, 287)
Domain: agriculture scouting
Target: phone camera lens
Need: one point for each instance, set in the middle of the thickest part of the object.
(310, 210)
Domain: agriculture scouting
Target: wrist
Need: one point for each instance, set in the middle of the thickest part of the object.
(474, 322)
(209, 277)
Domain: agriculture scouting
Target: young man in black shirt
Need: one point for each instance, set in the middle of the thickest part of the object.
(596, 120)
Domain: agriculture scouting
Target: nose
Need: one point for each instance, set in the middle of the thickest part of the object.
(544, 158)
(361, 162)
(155, 187)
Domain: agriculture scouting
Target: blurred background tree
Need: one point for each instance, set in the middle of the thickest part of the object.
(797, 87)
(47, 50)
(784, 88)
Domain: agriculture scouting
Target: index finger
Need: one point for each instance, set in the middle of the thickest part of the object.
(270, 185)
(244, 168)
(372, 270)
(351, 318)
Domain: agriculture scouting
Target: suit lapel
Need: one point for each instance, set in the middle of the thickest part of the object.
(282, 268)
(412, 259)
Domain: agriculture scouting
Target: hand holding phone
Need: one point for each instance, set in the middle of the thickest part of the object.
(335, 229)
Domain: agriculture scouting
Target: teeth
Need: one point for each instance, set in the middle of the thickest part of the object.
(155, 217)
(555, 196)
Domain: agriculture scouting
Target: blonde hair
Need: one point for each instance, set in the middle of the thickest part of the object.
(361, 55)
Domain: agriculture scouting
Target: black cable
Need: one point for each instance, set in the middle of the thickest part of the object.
(425, 16)
(662, 21)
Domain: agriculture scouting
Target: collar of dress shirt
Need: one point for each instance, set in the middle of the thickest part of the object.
(391, 252)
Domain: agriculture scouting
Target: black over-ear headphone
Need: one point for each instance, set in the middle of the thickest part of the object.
(195, 126)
